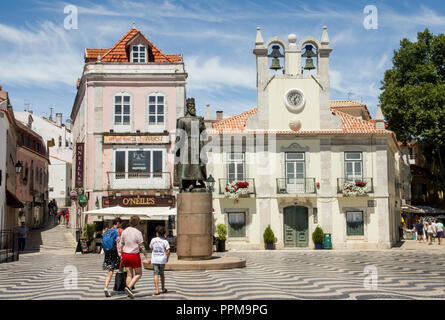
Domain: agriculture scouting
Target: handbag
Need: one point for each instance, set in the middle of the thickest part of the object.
(120, 280)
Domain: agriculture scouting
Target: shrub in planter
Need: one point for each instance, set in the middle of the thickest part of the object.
(221, 229)
(317, 237)
(269, 238)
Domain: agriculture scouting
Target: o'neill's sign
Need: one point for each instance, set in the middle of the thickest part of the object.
(139, 201)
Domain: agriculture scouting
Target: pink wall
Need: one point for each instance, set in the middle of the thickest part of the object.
(22, 190)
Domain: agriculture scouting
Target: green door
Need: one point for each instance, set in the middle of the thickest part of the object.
(296, 227)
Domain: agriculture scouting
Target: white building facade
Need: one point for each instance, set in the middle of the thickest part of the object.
(308, 161)
(59, 139)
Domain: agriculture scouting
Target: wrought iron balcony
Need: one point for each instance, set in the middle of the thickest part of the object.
(295, 186)
(223, 183)
(344, 185)
(138, 180)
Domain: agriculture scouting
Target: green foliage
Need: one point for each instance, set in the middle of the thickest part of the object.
(88, 232)
(222, 231)
(269, 236)
(318, 235)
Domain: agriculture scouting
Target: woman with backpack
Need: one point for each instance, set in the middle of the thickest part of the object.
(111, 259)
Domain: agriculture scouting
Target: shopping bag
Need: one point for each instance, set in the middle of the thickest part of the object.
(119, 281)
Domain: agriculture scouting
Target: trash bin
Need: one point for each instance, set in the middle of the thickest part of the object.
(327, 241)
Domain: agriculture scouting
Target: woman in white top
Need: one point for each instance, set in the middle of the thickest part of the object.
(430, 230)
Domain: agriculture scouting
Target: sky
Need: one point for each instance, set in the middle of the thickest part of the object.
(40, 59)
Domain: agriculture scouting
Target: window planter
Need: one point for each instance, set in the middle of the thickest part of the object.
(236, 189)
(354, 188)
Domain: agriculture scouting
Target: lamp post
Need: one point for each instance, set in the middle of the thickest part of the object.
(210, 183)
(18, 167)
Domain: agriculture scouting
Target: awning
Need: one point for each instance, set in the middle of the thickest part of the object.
(412, 209)
(144, 213)
(13, 201)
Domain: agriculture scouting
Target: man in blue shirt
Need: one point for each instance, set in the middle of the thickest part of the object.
(419, 229)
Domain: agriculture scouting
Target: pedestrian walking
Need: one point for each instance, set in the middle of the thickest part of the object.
(439, 227)
(22, 235)
(67, 219)
(425, 231)
(433, 223)
(419, 228)
(59, 215)
(159, 257)
(63, 216)
(430, 231)
(111, 259)
(132, 243)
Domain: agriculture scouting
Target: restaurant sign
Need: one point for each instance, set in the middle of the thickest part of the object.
(139, 201)
(79, 165)
(164, 139)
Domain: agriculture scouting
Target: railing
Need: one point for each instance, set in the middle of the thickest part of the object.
(295, 186)
(139, 180)
(225, 182)
(343, 183)
(9, 247)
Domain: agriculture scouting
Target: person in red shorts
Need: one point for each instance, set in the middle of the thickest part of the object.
(132, 243)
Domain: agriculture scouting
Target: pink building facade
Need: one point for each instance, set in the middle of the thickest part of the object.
(124, 114)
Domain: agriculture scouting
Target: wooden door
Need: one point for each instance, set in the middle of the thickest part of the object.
(296, 227)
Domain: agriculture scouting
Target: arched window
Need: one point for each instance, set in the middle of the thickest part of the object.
(156, 110)
(122, 112)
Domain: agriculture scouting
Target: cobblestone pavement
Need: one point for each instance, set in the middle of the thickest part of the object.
(416, 273)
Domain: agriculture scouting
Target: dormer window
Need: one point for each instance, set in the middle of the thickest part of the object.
(139, 54)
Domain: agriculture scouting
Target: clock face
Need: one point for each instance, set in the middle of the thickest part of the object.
(294, 100)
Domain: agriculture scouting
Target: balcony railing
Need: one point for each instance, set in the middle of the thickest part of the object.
(225, 182)
(139, 180)
(343, 182)
(295, 186)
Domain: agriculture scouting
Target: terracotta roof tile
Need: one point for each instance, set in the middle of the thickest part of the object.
(346, 105)
(119, 52)
(350, 125)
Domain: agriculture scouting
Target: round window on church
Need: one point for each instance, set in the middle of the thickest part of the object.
(294, 100)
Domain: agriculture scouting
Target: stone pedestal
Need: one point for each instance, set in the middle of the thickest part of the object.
(195, 220)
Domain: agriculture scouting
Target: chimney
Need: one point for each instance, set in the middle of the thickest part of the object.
(3, 94)
(69, 124)
(219, 115)
(51, 114)
(207, 115)
(59, 119)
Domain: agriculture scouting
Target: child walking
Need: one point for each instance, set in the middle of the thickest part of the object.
(159, 257)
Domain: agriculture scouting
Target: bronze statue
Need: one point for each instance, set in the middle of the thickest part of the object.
(190, 170)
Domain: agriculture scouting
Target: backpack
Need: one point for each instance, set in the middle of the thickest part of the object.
(109, 239)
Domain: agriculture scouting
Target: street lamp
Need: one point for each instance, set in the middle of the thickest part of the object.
(210, 183)
(18, 167)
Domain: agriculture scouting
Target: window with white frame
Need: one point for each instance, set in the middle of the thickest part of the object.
(237, 224)
(139, 53)
(138, 163)
(353, 166)
(354, 223)
(235, 167)
(156, 110)
(122, 112)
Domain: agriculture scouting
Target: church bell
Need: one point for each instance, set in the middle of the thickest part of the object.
(275, 54)
(309, 54)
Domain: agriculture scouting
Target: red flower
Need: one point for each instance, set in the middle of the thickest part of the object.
(360, 183)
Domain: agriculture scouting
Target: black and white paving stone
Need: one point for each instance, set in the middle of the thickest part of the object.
(283, 274)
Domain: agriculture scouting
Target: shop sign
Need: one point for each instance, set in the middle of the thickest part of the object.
(83, 200)
(139, 201)
(79, 164)
(164, 139)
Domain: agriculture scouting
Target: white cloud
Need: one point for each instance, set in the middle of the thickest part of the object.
(208, 74)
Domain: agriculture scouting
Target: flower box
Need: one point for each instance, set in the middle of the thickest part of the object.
(354, 188)
(236, 189)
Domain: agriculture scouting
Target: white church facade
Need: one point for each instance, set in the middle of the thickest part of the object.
(307, 160)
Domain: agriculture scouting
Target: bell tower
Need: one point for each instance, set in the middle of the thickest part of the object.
(295, 97)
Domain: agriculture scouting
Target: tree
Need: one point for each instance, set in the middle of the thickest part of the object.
(413, 97)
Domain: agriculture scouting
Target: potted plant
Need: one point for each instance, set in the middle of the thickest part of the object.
(317, 237)
(269, 238)
(221, 229)
(88, 233)
(236, 189)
